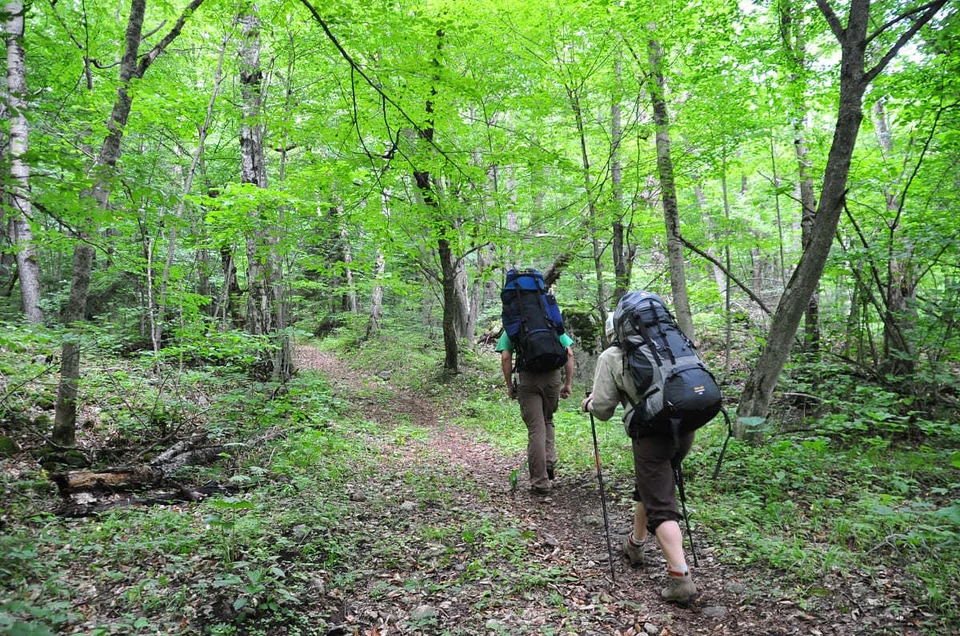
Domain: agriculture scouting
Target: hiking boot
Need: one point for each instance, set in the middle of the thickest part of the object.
(639, 558)
(550, 473)
(539, 492)
(679, 590)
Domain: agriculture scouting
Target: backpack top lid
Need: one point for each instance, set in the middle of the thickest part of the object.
(633, 309)
(527, 279)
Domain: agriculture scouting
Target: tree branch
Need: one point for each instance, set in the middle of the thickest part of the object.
(899, 18)
(863, 241)
(153, 53)
(930, 11)
(832, 19)
(353, 63)
(717, 264)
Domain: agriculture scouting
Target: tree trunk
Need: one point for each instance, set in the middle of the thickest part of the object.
(64, 428)
(668, 193)
(266, 313)
(448, 261)
(253, 169)
(132, 65)
(758, 391)
(622, 250)
(794, 40)
(448, 270)
(380, 266)
(230, 315)
(601, 295)
(376, 297)
(28, 267)
(350, 290)
(901, 293)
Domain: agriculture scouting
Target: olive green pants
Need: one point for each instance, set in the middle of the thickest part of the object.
(539, 396)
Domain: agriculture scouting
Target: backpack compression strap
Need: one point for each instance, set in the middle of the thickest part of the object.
(663, 335)
(523, 328)
(638, 326)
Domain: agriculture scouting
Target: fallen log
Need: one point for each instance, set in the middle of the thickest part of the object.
(108, 479)
(87, 505)
(127, 478)
(157, 472)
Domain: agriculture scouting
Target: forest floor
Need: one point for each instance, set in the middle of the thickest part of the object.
(545, 567)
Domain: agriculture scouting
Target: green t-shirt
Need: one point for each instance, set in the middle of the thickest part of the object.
(504, 343)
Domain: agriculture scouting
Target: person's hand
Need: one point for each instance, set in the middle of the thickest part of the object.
(585, 405)
(511, 392)
(565, 391)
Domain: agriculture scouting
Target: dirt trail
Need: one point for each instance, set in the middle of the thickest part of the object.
(569, 533)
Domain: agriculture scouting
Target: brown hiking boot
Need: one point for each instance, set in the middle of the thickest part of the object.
(679, 589)
(636, 553)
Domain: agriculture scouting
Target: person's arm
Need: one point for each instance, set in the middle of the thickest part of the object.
(506, 364)
(605, 398)
(567, 375)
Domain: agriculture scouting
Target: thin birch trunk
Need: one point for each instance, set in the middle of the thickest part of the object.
(21, 210)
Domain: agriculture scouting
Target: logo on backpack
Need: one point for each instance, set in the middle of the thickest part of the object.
(677, 393)
(532, 320)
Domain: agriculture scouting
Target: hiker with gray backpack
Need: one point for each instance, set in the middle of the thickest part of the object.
(653, 370)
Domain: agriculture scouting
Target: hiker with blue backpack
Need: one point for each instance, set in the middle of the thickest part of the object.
(653, 371)
(535, 347)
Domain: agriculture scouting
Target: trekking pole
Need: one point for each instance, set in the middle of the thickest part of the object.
(716, 471)
(678, 474)
(603, 498)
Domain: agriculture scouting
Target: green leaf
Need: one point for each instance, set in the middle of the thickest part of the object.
(752, 422)
(227, 580)
(231, 503)
(240, 603)
(950, 513)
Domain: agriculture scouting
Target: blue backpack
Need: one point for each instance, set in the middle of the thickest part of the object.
(533, 322)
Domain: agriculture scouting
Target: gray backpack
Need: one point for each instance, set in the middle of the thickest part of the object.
(678, 394)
